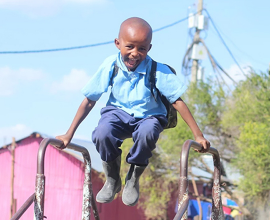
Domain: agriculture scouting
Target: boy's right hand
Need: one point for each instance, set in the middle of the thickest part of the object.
(65, 138)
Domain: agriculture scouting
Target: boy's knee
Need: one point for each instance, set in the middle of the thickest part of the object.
(101, 132)
(147, 134)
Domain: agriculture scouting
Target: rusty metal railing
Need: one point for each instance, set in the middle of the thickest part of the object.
(183, 199)
(38, 196)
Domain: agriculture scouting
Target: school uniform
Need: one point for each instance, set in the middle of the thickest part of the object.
(131, 110)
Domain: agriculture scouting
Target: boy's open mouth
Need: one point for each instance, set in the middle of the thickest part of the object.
(132, 63)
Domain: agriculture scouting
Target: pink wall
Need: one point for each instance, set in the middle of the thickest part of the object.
(5, 173)
(63, 185)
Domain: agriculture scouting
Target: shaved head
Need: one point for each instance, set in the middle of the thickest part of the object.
(134, 41)
(133, 25)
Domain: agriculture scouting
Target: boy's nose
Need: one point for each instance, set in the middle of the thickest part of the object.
(135, 53)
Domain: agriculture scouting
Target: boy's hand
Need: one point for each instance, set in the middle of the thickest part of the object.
(205, 144)
(65, 138)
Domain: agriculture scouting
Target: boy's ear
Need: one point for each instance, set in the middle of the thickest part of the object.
(150, 46)
(117, 43)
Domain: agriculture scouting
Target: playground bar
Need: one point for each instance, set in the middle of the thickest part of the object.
(217, 210)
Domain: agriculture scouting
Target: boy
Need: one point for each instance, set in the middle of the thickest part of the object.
(131, 110)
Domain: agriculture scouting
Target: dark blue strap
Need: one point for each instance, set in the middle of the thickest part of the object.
(153, 77)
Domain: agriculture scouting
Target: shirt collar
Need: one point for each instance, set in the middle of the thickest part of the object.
(142, 68)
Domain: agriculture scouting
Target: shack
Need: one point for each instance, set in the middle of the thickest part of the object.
(64, 173)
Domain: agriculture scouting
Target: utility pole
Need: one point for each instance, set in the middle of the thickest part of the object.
(195, 66)
(13, 201)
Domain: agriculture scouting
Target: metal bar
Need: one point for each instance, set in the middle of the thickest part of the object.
(183, 199)
(40, 183)
(38, 196)
(88, 200)
(217, 211)
(95, 210)
(40, 193)
(87, 191)
(58, 144)
(24, 207)
(12, 200)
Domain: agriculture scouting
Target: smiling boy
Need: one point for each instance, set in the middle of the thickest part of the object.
(134, 42)
(131, 111)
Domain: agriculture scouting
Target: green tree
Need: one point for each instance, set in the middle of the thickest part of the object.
(253, 160)
(248, 113)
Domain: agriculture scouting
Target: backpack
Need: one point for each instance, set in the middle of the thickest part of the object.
(171, 111)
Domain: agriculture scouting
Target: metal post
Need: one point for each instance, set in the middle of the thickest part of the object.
(217, 211)
(38, 196)
(195, 65)
(88, 200)
(12, 204)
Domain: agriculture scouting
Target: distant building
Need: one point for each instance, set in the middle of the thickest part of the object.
(64, 175)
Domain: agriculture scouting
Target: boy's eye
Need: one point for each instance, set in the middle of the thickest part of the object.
(129, 47)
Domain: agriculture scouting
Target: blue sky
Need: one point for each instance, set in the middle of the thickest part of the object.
(41, 91)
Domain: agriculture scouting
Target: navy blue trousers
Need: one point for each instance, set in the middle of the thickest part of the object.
(115, 125)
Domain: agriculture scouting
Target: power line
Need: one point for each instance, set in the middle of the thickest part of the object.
(54, 50)
(240, 50)
(170, 25)
(84, 46)
(224, 42)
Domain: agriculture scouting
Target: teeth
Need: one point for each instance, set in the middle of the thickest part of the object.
(132, 61)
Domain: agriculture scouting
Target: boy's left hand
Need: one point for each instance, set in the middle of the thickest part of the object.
(205, 144)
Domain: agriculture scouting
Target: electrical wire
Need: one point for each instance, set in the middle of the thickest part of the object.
(170, 25)
(215, 65)
(223, 70)
(54, 50)
(240, 50)
(224, 42)
(85, 46)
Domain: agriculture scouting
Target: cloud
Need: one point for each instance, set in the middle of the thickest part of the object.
(17, 131)
(236, 73)
(11, 79)
(44, 7)
(74, 81)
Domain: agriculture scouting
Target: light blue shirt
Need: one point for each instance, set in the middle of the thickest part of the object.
(131, 91)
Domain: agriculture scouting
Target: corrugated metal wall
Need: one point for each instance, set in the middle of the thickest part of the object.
(63, 187)
(5, 181)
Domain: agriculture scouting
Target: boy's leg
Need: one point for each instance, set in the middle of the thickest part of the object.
(145, 137)
(113, 128)
(108, 137)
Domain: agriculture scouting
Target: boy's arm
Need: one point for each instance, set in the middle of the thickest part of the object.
(183, 110)
(84, 109)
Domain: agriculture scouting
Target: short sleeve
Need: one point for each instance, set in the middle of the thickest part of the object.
(171, 85)
(100, 81)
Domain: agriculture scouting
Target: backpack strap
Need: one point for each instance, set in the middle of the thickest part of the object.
(153, 78)
(115, 71)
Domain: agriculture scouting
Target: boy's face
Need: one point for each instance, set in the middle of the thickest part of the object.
(134, 44)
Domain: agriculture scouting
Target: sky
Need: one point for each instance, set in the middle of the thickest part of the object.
(40, 92)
